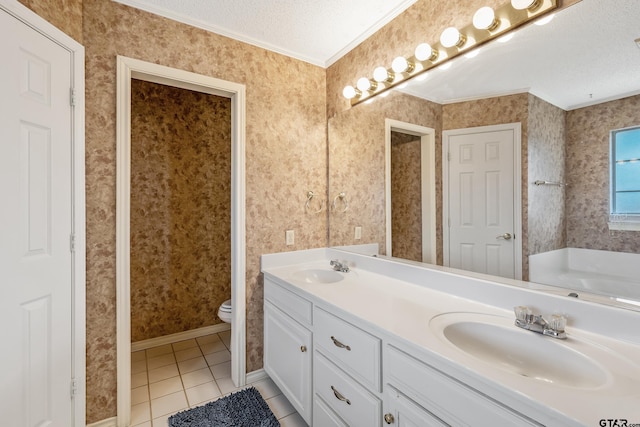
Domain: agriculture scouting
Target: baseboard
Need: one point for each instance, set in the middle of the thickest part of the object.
(255, 376)
(109, 422)
(180, 336)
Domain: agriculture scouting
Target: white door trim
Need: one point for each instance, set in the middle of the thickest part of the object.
(428, 178)
(78, 275)
(517, 187)
(132, 68)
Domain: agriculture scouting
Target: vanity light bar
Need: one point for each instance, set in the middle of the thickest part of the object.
(453, 42)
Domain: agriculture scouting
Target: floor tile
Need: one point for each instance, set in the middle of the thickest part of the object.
(226, 338)
(144, 424)
(208, 339)
(163, 360)
(189, 353)
(192, 379)
(183, 345)
(138, 380)
(212, 347)
(163, 420)
(138, 366)
(218, 357)
(226, 385)
(168, 404)
(279, 405)
(267, 388)
(191, 365)
(139, 395)
(138, 355)
(164, 387)
(221, 370)
(163, 373)
(202, 393)
(140, 413)
(159, 351)
(293, 420)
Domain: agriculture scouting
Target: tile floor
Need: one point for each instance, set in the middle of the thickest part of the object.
(174, 377)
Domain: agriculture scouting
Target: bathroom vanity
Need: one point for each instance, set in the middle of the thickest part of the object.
(391, 343)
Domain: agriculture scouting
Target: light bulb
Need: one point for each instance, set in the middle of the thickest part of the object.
(350, 92)
(424, 51)
(524, 4)
(380, 74)
(485, 19)
(401, 65)
(364, 84)
(545, 20)
(451, 37)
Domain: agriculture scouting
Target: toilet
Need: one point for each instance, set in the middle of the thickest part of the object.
(224, 312)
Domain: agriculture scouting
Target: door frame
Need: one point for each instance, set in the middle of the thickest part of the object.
(128, 68)
(516, 128)
(428, 181)
(78, 221)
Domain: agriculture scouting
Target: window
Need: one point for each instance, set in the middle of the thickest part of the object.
(625, 177)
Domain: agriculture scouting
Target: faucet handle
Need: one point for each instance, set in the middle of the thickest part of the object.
(557, 322)
(523, 313)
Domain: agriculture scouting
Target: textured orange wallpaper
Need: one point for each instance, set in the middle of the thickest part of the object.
(588, 175)
(66, 15)
(406, 197)
(180, 209)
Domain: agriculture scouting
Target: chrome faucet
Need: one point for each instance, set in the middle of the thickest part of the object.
(339, 266)
(525, 319)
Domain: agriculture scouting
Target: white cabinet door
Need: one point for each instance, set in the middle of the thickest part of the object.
(287, 358)
(400, 411)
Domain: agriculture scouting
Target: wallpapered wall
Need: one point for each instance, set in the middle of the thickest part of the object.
(406, 196)
(588, 175)
(180, 209)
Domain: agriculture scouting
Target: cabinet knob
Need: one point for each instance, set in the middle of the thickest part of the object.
(303, 348)
(388, 418)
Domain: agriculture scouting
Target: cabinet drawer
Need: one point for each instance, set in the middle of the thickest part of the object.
(353, 349)
(352, 402)
(297, 307)
(443, 395)
(323, 416)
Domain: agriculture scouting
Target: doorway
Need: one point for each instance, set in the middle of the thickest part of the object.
(410, 147)
(482, 219)
(135, 69)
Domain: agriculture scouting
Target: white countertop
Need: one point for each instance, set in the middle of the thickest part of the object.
(401, 300)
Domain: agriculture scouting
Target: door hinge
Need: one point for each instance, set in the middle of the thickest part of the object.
(72, 243)
(72, 97)
(73, 388)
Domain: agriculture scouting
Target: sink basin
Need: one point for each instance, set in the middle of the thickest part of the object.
(494, 340)
(317, 275)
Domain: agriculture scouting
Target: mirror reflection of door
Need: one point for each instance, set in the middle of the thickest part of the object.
(481, 196)
(410, 192)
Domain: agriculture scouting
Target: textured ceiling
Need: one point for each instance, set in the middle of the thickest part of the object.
(315, 31)
(586, 55)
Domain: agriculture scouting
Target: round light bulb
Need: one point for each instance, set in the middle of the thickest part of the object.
(424, 51)
(545, 20)
(523, 4)
(363, 84)
(451, 37)
(349, 92)
(485, 19)
(380, 74)
(400, 65)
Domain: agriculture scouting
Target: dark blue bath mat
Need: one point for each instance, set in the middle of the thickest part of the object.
(245, 408)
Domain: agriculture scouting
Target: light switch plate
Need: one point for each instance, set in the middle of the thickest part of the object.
(358, 233)
(289, 237)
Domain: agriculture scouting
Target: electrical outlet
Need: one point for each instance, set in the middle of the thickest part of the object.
(289, 237)
(358, 233)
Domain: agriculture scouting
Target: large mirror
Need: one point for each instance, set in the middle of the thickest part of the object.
(563, 87)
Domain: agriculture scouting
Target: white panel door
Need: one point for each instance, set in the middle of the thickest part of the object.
(481, 181)
(35, 228)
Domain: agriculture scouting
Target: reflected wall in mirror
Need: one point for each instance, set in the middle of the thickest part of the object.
(565, 141)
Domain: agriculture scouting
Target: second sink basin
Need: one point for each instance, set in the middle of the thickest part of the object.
(496, 341)
(317, 275)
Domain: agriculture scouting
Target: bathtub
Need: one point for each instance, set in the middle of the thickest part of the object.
(589, 270)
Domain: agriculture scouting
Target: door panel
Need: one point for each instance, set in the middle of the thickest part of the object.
(481, 201)
(35, 225)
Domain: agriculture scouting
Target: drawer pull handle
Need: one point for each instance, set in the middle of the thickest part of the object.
(339, 344)
(388, 418)
(303, 348)
(339, 396)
